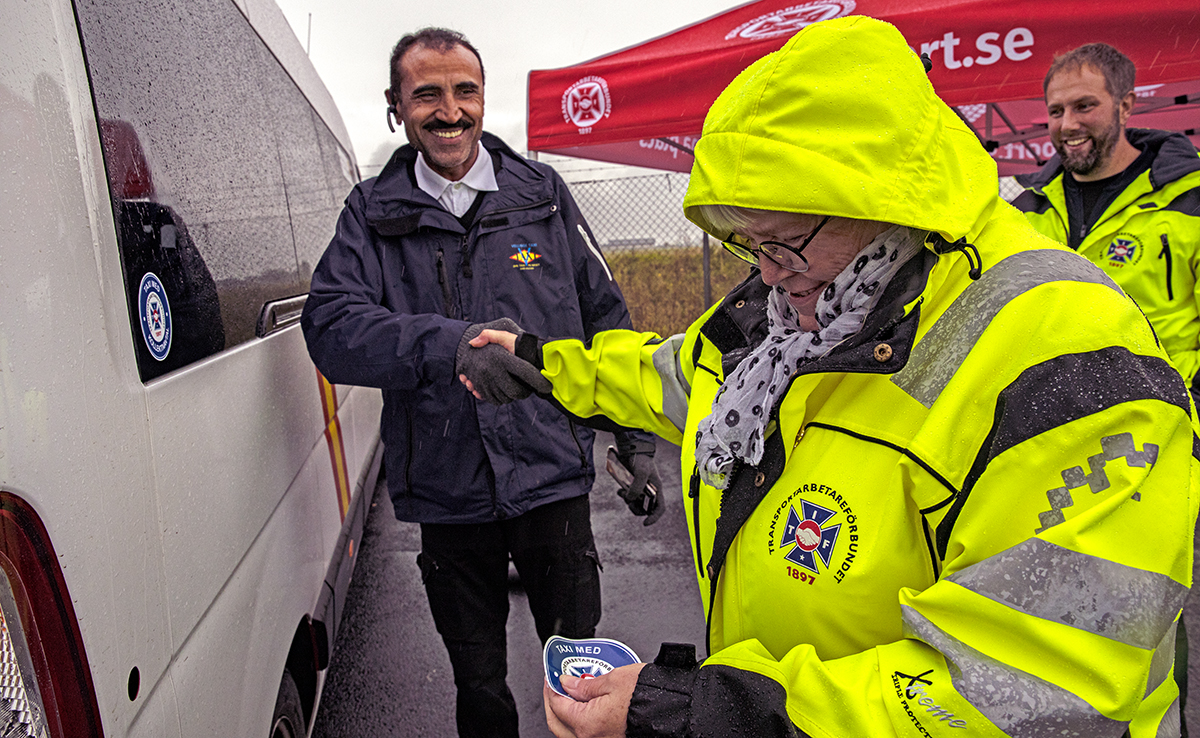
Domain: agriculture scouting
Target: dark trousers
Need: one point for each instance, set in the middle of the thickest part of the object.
(465, 572)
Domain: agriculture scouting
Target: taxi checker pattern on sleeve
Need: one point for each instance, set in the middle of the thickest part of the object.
(973, 518)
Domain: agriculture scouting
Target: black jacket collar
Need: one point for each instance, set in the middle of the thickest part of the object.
(396, 206)
(1174, 157)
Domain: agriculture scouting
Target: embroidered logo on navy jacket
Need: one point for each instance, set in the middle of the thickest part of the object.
(526, 258)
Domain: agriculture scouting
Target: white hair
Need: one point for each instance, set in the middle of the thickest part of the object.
(725, 218)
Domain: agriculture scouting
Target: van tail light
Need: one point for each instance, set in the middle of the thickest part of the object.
(22, 711)
(46, 688)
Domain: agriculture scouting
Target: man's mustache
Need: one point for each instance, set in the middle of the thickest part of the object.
(463, 123)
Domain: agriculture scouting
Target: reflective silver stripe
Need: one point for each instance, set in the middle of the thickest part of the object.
(1164, 659)
(1129, 605)
(595, 250)
(936, 358)
(675, 387)
(1169, 727)
(1017, 703)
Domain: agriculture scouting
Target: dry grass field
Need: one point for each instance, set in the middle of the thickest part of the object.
(664, 288)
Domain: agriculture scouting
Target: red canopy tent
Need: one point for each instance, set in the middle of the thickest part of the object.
(645, 105)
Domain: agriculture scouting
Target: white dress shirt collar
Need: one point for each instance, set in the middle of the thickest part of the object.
(457, 197)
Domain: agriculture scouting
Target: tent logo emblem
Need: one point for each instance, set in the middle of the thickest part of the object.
(586, 103)
(791, 19)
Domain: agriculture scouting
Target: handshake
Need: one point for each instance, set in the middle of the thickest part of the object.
(491, 370)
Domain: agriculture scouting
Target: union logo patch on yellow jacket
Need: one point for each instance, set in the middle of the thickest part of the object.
(1124, 250)
(810, 535)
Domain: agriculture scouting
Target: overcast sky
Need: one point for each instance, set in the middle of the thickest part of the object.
(351, 40)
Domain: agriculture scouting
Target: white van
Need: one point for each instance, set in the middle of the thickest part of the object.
(181, 493)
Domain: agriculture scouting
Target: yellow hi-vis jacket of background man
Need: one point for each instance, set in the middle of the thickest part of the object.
(974, 517)
(1147, 239)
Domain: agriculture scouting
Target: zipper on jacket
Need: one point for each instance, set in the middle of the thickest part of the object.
(578, 445)
(466, 258)
(694, 493)
(712, 603)
(444, 281)
(933, 558)
(411, 452)
(514, 209)
(1166, 254)
(497, 511)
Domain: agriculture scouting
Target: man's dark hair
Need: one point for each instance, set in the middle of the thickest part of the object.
(438, 39)
(1117, 69)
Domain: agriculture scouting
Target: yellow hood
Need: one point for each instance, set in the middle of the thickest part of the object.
(843, 121)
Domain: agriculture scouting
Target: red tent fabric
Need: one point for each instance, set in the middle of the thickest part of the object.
(645, 105)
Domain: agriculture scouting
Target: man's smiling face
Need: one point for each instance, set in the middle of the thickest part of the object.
(1086, 123)
(441, 106)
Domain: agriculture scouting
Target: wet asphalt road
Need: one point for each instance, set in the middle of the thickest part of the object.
(390, 675)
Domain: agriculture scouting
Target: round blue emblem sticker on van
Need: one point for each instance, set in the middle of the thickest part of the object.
(155, 313)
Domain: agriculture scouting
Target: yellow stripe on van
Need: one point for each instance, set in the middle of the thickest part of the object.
(333, 437)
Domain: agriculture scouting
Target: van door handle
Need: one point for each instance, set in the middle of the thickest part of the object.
(279, 314)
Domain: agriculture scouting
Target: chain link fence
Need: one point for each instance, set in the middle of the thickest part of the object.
(659, 259)
(638, 212)
(668, 269)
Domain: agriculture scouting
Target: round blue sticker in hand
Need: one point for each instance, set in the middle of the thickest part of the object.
(585, 658)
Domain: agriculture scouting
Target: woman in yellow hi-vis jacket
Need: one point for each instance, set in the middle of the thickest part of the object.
(942, 478)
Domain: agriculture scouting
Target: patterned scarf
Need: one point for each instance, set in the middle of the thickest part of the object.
(736, 427)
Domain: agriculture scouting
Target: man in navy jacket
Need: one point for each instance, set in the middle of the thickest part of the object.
(457, 231)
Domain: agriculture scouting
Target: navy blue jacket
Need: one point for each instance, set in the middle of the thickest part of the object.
(402, 280)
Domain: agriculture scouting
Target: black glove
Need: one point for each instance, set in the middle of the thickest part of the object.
(644, 494)
(496, 374)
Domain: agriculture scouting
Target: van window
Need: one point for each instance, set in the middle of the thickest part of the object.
(218, 169)
(314, 191)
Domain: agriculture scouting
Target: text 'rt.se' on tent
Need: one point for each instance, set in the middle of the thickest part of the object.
(645, 105)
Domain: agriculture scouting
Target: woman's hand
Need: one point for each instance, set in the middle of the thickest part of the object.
(599, 708)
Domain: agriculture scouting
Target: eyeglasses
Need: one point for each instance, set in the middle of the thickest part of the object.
(781, 254)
